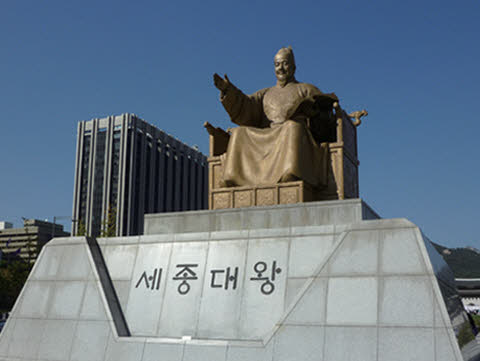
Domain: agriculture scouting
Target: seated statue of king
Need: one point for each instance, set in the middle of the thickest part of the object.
(281, 130)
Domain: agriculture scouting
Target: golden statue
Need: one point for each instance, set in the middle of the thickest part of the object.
(280, 131)
(293, 144)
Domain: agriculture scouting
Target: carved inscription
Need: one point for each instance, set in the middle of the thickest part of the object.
(261, 268)
(220, 278)
(185, 274)
(223, 278)
(152, 282)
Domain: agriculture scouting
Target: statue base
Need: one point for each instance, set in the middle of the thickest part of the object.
(280, 193)
(311, 281)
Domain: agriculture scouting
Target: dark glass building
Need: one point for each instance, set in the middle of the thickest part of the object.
(126, 168)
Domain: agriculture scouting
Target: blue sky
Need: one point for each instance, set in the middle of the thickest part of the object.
(414, 65)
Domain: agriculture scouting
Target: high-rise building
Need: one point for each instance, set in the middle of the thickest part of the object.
(126, 168)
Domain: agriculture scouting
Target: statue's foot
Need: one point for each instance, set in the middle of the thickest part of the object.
(288, 178)
(226, 183)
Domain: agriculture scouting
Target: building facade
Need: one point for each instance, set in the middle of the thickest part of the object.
(126, 168)
(469, 290)
(27, 242)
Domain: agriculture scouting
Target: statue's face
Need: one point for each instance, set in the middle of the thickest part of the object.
(284, 67)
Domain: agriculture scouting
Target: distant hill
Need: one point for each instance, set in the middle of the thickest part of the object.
(464, 262)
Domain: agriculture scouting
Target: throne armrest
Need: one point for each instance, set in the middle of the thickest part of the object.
(218, 139)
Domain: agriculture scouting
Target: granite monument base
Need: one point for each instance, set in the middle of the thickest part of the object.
(322, 281)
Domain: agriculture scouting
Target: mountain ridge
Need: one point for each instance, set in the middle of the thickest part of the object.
(464, 262)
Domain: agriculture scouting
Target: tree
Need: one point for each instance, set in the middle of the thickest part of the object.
(82, 230)
(109, 224)
(13, 274)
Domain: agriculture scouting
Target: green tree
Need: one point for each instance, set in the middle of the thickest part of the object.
(13, 274)
(109, 225)
(82, 230)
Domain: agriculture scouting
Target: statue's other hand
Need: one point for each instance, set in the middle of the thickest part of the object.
(220, 83)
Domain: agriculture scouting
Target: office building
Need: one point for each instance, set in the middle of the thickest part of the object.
(126, 168)
(26, 242)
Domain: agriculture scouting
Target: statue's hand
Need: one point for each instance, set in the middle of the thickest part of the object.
(220, 83)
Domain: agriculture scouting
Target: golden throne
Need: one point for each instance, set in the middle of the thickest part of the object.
(340, 140)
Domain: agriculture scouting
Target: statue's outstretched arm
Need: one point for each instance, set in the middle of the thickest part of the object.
(221, 84)
(243, 109)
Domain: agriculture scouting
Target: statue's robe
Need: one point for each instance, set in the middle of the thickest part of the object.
(274, 143)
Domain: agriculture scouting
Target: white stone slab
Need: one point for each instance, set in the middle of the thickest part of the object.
(155, 351)
(294, 343)
(92, 307)
(192, 222)
(56, 340)
(269, 232)
(289, 215)
(257, 218)
(90, 341)
(6, 335)
(122, 289)
(352, 301)
(123, 350)
(308, 253)
(242, 353)
(407, 301)
(310, 308)
(187, 237)
(342, 214)
(350, 344)
(180, 308)
(147, 288)
(117, 241)
(157, 238)
(222, 290)
(309, 230)
(204, 353)
(400, 252)
(294, 286)
(227, 221)
(444, 349)
(26, 332)
(405, 343)
(261, 310)
(66, 299)
(36, 299)
(120, 260)
(74, 264)
(357, 255)
(229, 235)
(47, 268)
(439, 319)
(282, 217)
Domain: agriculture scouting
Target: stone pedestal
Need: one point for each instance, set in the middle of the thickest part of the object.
(315, 281)
(281, 193)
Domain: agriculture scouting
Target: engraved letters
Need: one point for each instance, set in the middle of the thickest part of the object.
(223, 277)
(227, 278)
(185, 274)
(268, 286)
(152, 282)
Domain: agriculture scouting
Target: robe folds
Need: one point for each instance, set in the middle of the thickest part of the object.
(274, 143)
